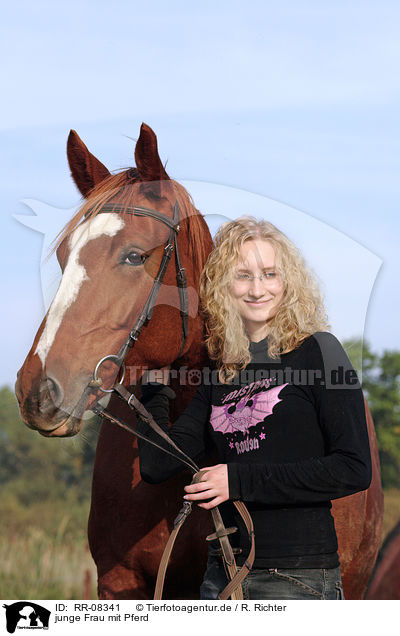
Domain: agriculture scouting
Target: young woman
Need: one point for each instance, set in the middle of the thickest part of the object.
(284, 410)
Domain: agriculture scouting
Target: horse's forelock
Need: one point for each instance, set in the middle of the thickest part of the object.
(101, 194)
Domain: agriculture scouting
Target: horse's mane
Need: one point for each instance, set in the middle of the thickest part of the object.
(123, 187)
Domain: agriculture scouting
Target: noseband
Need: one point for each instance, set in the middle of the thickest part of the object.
(233, 589)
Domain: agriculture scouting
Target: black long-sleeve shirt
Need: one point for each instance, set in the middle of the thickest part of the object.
(293, 434)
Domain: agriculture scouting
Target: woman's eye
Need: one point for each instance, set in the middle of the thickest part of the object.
(242, 276)
(134, 258)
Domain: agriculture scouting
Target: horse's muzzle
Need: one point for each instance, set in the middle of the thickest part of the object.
(43, 410)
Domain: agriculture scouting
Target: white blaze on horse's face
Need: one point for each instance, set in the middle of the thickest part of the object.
(74, 275)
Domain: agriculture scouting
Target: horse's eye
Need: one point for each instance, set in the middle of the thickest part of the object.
(134, 258)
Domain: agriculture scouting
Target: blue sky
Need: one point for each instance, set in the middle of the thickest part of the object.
(296, 103)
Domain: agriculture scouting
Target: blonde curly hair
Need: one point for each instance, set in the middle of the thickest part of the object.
(300, 313)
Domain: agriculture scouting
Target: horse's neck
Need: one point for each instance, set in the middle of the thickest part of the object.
(186, 374)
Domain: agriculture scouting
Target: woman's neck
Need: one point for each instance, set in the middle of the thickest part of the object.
(256, 335)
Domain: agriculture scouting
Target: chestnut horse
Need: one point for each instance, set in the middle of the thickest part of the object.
(109, 263)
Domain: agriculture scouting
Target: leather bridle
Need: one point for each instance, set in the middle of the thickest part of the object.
(147, 311)
(233, 589)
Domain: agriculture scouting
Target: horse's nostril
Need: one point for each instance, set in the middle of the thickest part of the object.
(50, 395)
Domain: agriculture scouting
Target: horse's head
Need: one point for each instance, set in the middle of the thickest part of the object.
(109, 258)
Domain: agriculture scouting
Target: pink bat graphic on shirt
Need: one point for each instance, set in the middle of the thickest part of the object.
(249, 411)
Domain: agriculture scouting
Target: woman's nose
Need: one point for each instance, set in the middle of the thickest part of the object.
(256, 287)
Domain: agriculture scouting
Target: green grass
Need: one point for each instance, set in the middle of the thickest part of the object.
(44, 554)
(38, 566)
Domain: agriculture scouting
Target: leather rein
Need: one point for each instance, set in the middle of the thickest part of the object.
(235, 576)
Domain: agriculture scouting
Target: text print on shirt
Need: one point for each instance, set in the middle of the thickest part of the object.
(247, 412)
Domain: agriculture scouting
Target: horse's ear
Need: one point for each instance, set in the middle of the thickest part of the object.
(86, 170)
(147, 158)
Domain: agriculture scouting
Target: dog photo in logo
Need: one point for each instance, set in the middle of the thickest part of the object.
(26, 615)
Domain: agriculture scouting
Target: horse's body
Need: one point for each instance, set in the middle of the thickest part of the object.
(358, 522)
(109, 262)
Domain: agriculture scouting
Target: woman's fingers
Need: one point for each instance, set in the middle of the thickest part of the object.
(205, 494)
(211, 504)
(202, 485)
(213, 486)
(214, 499)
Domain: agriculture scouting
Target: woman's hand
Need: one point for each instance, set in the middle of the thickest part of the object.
(214, 485)
(157, 375)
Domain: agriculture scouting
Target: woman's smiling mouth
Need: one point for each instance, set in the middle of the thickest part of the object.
(257, 302)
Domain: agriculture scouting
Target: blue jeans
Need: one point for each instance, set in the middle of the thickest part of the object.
(276, 583)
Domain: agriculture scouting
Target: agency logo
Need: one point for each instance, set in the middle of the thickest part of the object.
(26, 615)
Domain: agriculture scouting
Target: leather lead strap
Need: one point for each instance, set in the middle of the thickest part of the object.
(162, 568)
(138, 407)
(221, 533)
(234, 587)
(236, 581)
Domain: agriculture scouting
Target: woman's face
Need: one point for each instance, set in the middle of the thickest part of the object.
(257, 287)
